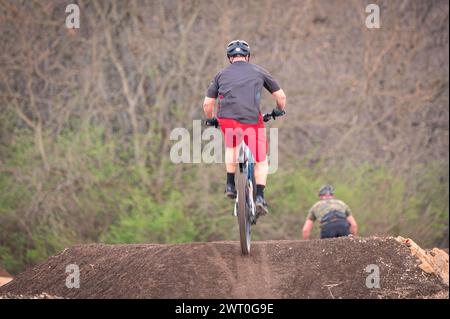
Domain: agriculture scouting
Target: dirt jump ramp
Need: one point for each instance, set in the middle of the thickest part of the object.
(332, 268)
(4, 277)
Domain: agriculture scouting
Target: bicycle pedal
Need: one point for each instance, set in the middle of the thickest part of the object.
(261, 210)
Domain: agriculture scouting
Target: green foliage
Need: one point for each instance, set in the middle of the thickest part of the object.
(428, 212)
(147, 221)
(9, 259)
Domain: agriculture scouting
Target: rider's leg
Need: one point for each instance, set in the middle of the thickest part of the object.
(261, 171)
(230, 162)
(227, 126)
(230, 159)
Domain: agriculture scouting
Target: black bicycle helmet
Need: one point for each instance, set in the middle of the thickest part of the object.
(238, 47)
(326, 190)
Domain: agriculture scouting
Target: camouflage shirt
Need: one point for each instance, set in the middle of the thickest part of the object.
(325, 206)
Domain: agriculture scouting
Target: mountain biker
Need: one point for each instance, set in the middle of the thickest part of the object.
(238, 88)
(334, 216)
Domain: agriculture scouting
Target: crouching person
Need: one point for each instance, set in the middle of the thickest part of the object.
(334, 216)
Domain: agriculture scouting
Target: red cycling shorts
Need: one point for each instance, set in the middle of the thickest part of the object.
(254, 136)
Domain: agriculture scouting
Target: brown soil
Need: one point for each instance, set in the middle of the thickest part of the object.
(332, 268)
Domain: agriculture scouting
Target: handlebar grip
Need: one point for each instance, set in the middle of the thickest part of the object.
(266, 117)
(212, 122)
(273, 115)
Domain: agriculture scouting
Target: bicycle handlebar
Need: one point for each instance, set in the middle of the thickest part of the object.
(266, 118)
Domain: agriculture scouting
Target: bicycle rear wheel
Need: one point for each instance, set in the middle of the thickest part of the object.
(243, 209)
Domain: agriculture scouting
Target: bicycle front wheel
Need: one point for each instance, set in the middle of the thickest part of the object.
(243, 211)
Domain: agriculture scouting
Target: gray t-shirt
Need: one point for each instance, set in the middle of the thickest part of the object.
(238, 87)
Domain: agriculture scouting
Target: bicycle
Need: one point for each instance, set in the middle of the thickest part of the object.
(244, 208)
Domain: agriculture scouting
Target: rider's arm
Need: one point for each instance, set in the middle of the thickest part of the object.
(210, 98)
(351, 220)
(309, 223)
(281, 98)
(353, 225)
(307, 227)
(274, 88)
(208, 106)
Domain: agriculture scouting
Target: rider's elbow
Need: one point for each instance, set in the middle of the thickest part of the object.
(281, 99)
(208, 107)
(280, 96)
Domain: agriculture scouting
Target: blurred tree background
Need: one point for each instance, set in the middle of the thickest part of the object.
(86, 114)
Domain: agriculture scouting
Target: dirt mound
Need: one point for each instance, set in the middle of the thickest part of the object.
(4, 277)
(332, 268)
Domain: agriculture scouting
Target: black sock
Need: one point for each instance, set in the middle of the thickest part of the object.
(260, 190)
(230, 178)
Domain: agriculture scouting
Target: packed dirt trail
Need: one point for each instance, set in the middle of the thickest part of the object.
(333, 268)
